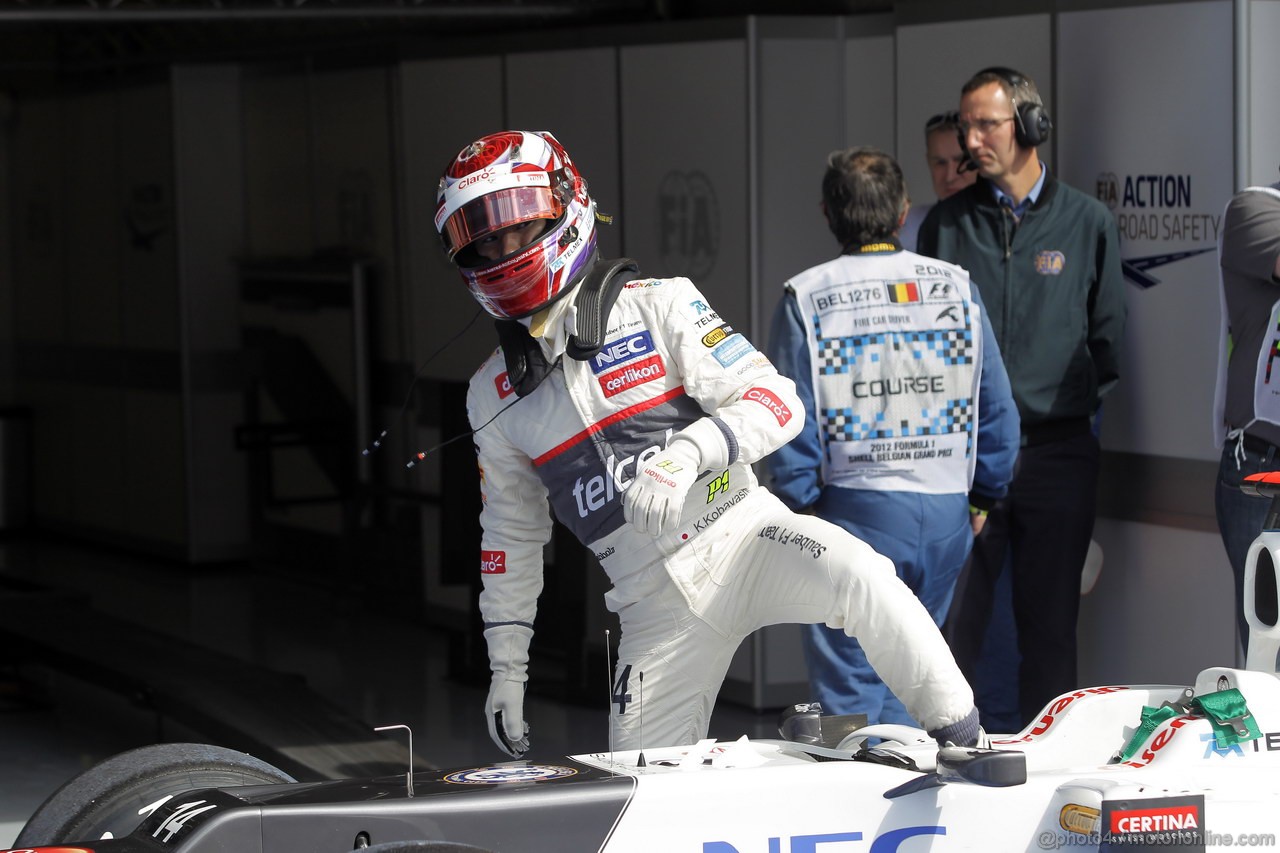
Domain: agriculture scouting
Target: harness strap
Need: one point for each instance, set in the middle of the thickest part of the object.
(1226, 711)
(1232, 721)
(1151, 718)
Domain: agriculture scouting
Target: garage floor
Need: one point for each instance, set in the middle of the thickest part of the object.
(380, 670)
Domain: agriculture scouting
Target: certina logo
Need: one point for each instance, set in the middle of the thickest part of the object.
(617, 381)
(620, 351)
(493, 562)
(1155, 820)
(766, 399)
(594, 493)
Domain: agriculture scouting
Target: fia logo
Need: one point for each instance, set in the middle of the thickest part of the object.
(688, 223)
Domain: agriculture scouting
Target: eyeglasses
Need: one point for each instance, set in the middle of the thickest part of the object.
(947, 119)
(984, 126)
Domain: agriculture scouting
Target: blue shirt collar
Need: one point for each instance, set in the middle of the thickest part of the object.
(1019, 209)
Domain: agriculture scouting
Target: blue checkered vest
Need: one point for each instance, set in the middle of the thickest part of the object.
(895, 345)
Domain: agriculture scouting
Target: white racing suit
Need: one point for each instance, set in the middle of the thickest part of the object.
(739, 559)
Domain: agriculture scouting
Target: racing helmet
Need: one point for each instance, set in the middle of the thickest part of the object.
(505, 179)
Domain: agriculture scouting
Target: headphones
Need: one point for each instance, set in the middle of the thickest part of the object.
(1031, 123)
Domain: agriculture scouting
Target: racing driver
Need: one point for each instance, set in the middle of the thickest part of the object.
(638, 411)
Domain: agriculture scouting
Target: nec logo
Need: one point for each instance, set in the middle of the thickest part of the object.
(620, 351)
(764, 398)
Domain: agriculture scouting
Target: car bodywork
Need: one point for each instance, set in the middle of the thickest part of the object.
(1097, 771)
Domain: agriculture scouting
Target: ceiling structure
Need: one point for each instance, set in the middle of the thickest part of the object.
(42, 41)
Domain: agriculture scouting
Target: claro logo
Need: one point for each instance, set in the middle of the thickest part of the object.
(594, 493)
(765, 398)
(476, 178)
(493, 562)
(503, 383)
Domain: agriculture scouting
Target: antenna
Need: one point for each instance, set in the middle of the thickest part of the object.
(608, 683)
(408, 777)
(642, 762)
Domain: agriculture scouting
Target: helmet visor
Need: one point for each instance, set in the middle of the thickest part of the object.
(515, 286)
(497, 210)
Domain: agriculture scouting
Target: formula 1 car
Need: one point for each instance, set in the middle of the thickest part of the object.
(1182, 768)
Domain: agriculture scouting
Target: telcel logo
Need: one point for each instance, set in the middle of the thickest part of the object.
(596, 492)
(623, 350)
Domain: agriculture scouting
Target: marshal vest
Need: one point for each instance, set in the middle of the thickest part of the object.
(895, 345)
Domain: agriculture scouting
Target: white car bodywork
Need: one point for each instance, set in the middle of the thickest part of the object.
(1179, 791)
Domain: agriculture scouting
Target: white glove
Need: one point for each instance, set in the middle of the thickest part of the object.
(655, 498)
(504, 707)
(504, 711)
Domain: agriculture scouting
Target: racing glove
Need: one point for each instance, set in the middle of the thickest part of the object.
(504, 707)
(654, 500)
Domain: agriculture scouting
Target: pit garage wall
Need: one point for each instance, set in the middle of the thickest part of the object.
(94, 309)
(1143, 122)
(754, 106)
(1134, 91)
(1164, 565)
(1258, 108)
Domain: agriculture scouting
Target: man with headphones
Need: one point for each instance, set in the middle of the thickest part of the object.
(1046, 259)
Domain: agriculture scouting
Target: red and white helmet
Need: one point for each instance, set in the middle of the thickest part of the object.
(502, 180)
